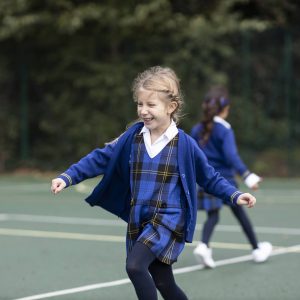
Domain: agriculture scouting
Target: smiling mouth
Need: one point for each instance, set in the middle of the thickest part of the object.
(147, 119)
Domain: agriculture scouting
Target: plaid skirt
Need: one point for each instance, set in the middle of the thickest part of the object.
(209, 202)
(159, 228)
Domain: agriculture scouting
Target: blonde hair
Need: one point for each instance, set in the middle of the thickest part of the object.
(163, 81)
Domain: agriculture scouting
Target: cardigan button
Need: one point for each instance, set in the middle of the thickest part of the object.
(183, 175)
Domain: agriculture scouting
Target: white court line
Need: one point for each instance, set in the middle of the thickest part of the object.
(183, 270)
(101, 237)
(77, 290)
(61, 235)
(61, 220)
(98, 237)
(120, 223)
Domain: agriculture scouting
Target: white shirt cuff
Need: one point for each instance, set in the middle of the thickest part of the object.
(251, 180)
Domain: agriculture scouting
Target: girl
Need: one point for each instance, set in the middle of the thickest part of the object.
(216, 138)
(150, 174)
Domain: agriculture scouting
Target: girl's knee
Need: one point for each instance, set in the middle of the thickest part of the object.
(217, 219)
(214, 216)
(133, 268)
(162, 286)
(170, 291)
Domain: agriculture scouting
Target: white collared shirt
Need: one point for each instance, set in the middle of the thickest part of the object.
(222, 121)
(161, 142)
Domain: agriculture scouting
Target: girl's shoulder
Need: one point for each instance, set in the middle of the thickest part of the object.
(220, 122)
(130, 130)
(133, 128)
(189, 146)
(187, 139)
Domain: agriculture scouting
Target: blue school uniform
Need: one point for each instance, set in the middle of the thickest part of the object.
(221, 152)
(158, 208)
(114, 193)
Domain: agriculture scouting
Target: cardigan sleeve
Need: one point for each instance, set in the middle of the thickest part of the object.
(212, 182)
(91, 165)
(231, 154)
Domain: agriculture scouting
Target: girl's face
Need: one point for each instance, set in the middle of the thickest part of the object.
(154, 111)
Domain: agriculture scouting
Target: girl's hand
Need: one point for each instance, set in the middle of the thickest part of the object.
(246, 199)
(57, 185)
(255, 187)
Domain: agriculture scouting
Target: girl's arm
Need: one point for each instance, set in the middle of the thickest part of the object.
(232, 157)
(231, 154)
(213, 183)
(91, 165)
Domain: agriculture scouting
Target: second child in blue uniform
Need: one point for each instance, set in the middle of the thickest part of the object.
(215, 137)
(149, 180)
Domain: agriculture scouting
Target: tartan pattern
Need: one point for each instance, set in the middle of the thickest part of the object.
(157, 216)
(209, 202)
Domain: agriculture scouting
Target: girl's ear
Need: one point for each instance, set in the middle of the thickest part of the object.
(172, 107)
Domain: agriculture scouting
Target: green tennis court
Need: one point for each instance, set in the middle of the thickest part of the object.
(58, 247)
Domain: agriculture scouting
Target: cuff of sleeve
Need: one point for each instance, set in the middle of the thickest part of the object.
(66, 178)
(246, 174)
(235, 196)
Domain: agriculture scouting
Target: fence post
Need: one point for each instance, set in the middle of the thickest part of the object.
(246, 81)
(287, 82)
(24, 127)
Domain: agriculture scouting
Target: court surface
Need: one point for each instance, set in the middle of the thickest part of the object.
(58, 247)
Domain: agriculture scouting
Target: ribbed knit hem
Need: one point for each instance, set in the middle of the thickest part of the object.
(235, 196)
(66, 178)
(246, 174)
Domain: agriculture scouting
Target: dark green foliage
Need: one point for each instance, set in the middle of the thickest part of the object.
(72, 63)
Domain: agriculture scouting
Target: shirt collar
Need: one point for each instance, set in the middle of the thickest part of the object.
(218, 119)
(171, 131)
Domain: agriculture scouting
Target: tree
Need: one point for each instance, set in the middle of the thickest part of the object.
(72, 63)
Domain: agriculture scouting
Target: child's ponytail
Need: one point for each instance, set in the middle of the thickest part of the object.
(210, 109)
(214, 103)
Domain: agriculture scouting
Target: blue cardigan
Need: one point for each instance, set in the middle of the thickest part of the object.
(221, 150)
(113, 191)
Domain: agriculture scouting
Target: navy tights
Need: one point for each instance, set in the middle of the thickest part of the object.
(148, 274)
(240, 214)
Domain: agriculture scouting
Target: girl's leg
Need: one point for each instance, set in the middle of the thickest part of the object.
(243, 219)
(163, 277)
(137, 265)
(209, 225)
